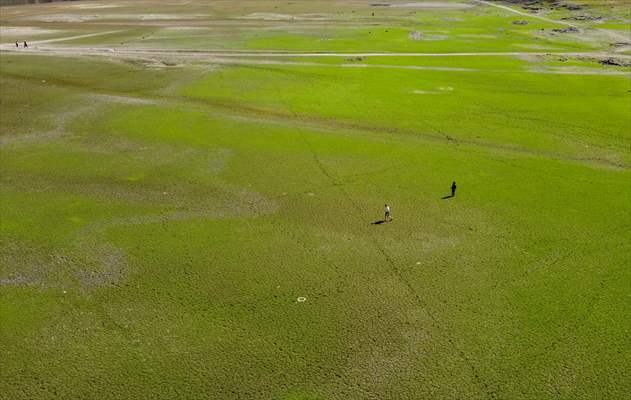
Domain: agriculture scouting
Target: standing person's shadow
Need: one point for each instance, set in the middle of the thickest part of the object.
(447, 197)
(379, 222)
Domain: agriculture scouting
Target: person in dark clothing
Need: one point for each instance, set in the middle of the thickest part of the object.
(453, 189)
(16, 44)
(25, 45)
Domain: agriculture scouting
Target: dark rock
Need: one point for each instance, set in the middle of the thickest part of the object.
(570, 29)
(615, 62)
(582, 18)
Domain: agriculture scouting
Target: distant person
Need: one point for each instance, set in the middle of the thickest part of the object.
(453, 189)
(388, 213)
(25, 45)
(16, 44)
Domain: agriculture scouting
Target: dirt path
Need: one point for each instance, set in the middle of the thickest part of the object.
(200, 54)
(610, 34)
(153, 59)
(65, 38)
(525, 14)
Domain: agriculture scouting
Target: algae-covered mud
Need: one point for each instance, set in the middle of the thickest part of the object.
(192, 200)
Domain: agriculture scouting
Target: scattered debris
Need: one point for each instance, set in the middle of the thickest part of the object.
(520, 22)
(532, 9)
(569, 29)
(538, 5)
(582, 18)
(353, 59)
(301, 299)
(615, 62)
(572, 6)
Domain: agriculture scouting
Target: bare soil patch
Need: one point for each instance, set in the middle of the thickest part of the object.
(416, 35)
(25, 31)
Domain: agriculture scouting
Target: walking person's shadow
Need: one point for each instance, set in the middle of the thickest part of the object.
(379, 222)
(447, 197)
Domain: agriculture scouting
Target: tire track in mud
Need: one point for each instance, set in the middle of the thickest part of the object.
(289, 119)
(396, 272)
(112, 260)
(236, 111)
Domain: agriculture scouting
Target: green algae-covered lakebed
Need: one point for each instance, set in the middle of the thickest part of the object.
(191, 196)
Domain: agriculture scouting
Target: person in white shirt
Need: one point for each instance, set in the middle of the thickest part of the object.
(388, 213)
